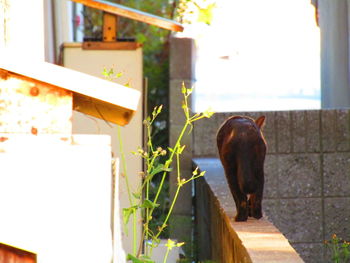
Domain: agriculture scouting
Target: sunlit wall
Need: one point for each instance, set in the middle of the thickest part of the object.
(258, 55)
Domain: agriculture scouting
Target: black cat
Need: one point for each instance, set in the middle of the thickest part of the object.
(242, 150)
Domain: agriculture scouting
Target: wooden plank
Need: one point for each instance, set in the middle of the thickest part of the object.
(101, 110)
(109, 31)
(134, 14)
(92, 45)
(118, 99)
(10, 254)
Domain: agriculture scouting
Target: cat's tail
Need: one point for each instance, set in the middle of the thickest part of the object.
(247, 180)
(248, 185)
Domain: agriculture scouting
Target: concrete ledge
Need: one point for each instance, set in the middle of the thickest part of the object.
(224, 240)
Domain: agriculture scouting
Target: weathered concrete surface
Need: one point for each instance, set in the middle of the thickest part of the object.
(181, 70)
(252, 241)
(307, 186)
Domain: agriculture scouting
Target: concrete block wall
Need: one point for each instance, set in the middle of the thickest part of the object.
(307, 173)
(181, 70)
(220, 238)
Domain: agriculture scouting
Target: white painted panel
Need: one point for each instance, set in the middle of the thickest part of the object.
(55, 197)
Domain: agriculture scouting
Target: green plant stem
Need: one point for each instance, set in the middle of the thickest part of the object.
(175, 197)
(134, 245)
(170, 211)
(149, 166)
(166, 255)
(178, 187)
(167, 164)
(121, 149)
(146, 225)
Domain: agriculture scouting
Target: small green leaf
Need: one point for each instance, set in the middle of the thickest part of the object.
(180, 244)
(137, 195)
(171, 149)
(142, 259)
(119, 74)
(170, 244)
(146, 259)
(208, 113)
(205, 15)
(181, 149)
(149, 204)
(127, 212)
(159, 168)
(160, 109)
(183, 88)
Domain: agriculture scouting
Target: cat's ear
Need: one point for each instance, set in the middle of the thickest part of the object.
(260, 121)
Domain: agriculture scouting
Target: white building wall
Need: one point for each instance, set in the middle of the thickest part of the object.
(129, 62)
(22, 28)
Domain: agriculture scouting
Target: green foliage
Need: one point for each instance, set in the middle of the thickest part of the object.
(155, 166)
(153, 198)
(205, 15)
(340, 249)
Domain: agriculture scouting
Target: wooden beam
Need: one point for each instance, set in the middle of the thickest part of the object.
(132, 14)
(92, 45)
(109, 31)
(119, 100)
(12, 254)
(101, 110)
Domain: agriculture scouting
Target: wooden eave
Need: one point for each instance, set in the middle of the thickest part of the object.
(131, 13)
(16, 253)
(91, 95)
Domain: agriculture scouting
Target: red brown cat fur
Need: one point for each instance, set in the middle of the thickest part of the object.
(242, 150)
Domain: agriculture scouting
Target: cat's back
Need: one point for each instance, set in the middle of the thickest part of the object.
(233, 127)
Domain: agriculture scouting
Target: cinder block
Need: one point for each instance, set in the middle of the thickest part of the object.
(183, 205)
(299, 175)
(337, 217)
(306, 131)
(182, 57)
(204, 133)
(329, 130)
(310, 252)
(336, 174)
(299, 131)
(176, 113)
(301, 219)
(283, 132)
(174, 134)
(271, 209)
(181, 229)
(202, 221)
(271, 176)
(252, 114)
(269, 131)
(343, 130)
(313, 142)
